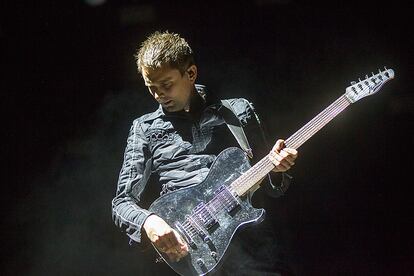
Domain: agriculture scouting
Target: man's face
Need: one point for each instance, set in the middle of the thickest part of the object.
(169, 87)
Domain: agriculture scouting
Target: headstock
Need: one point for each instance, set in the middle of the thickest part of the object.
(369, 86)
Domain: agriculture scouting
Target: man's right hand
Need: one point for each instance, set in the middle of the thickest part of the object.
(165, 238)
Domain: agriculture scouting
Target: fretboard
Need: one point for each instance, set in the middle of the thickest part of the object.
(251, 177)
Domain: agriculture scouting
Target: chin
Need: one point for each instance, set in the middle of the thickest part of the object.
(171, 108)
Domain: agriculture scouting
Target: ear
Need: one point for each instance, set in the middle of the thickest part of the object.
(192, 73)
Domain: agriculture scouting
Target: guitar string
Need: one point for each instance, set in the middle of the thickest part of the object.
(256, 174)
(261, 167)
(302, 134)
(303, 137)
(298, 138)
(193, 230)
(239, 183)
(188, 228)
(224, 199)
(312, 127)
(330, 112)
(252, 173)
(320, 118)
(215, 202)
(342, 106)
(221, 200)
(307, 132)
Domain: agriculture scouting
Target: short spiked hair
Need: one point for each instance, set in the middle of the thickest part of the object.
(164, 48)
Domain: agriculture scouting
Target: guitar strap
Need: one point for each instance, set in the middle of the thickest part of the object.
(236, 129)
(233, 123)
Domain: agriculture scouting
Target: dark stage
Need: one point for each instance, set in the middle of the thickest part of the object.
(71, 90)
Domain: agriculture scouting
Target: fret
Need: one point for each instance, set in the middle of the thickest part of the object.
(317, 123)
(251, 177)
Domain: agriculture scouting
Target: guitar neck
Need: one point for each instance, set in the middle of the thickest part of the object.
(248, 180)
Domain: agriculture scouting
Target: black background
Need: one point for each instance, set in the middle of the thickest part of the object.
(70, 90)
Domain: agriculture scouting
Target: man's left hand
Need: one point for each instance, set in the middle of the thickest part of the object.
(282, 158)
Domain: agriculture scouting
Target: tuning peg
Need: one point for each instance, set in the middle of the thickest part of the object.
(366, 76)
(359, 79)
(372, 73)
(353, 82)
(379, 71)
(385, 68)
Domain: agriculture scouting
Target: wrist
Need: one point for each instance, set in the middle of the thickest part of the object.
(148, 222)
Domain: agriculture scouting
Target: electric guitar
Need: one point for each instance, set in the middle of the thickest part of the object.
(207, 215)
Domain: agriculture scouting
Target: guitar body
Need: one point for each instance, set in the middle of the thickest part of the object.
(207, 215)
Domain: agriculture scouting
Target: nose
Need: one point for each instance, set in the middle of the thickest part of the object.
(157, 93)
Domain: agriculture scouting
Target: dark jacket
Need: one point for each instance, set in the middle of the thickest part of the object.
(178, 149)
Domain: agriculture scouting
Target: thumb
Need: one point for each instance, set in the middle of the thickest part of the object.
(179, 239)
(279, 145)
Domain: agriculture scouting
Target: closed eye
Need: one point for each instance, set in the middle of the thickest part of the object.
(167, 85)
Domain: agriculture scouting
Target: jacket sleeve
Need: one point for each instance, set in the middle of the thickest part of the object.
(275, 184)
(133, 178)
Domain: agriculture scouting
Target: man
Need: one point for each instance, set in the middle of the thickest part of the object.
(177, 144)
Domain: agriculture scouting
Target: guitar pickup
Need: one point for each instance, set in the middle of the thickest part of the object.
(203, 216)
(227, 199)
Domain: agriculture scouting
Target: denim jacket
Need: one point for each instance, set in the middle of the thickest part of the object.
(178, 149)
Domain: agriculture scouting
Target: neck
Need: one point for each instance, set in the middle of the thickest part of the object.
(195, 102)
(250, 179)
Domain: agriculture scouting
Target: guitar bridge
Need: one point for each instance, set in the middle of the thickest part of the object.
(186, 230)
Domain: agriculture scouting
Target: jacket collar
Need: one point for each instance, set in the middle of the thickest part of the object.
(203, 101)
